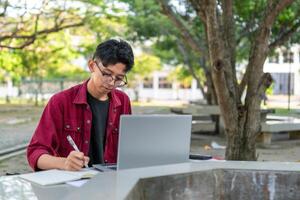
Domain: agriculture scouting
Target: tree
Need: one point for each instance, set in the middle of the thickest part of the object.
(170, 43)
(233, 31)
(229, 25)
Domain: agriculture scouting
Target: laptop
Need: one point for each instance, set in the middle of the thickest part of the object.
(149, 140)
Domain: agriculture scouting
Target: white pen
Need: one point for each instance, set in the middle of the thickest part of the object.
(72, 143)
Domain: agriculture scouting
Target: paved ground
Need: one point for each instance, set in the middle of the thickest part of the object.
(18, 123)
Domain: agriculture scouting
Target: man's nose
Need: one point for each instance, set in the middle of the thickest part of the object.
(111, 82)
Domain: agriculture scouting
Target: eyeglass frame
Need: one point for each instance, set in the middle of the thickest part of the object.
(104, 74)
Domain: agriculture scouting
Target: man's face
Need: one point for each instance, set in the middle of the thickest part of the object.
(107, 78)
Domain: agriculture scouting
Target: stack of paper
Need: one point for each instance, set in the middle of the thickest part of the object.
(54, 176)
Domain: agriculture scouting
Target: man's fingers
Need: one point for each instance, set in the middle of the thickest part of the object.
(77, 162)
(86, 160)
(77, 154)
(73, 167)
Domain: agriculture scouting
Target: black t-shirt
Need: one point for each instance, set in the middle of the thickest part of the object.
(98, 132)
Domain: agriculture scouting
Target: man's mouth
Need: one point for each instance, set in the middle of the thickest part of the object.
(108, 88)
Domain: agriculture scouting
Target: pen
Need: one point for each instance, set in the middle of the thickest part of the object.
(72, 143)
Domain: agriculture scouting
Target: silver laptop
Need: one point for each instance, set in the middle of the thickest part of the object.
(148, 140)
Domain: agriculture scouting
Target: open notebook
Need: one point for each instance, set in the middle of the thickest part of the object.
(55, 176)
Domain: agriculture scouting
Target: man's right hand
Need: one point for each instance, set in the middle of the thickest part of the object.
(75, 161)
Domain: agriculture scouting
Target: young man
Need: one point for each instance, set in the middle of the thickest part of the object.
(89, 113)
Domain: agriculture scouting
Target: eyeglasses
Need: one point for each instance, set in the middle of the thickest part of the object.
(118, 82)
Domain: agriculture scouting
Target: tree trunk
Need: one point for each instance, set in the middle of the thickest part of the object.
(211, 95)
(241, 142)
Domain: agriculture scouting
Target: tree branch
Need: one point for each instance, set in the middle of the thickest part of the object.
(284, 37)
(199, 9)
(260, 48)
(31, 38)
(187, 61)
(5, 6)
(243, 83)
(264, 83)
(273, 9)
(230, 42)
(192, 41)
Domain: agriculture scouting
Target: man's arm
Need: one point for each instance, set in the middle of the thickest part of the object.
(74, 162)
(46, 134)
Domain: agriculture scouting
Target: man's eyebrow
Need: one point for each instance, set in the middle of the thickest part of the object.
(119, 75)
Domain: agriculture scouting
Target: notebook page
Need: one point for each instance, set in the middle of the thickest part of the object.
(54, 176)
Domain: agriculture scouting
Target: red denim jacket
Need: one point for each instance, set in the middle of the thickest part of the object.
(68, 113)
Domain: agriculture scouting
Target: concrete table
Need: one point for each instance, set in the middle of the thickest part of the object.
(126, 184)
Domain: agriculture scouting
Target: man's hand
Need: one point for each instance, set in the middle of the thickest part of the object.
(75, 161)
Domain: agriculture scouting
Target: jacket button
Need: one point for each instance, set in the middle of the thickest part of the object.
(88, 121)
(115, 110)
(110, 123)
(86, 142)
(116, 129)
(67, 126)
(78, 128)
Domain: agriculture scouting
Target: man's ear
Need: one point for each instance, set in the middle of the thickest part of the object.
(91, 65)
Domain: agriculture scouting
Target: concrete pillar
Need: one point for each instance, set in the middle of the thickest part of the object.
(194, 89)
(297, 71)
(155, 85)
(9, 88)
(174, 90)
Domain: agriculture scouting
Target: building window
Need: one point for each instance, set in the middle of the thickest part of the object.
(185, 86)
(148, 83)
(274, 58)
(288, 57)
(164, 83)
(281, 83)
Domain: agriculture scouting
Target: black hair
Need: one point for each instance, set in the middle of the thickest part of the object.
(115, 51)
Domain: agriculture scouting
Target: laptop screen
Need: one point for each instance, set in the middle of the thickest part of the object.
(148, 140)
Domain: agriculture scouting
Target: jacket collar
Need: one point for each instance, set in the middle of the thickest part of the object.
(81, 96)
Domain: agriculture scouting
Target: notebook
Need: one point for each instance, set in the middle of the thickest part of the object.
(55, 176)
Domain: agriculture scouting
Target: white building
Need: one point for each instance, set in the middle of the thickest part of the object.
(158, 87)
(285, 63)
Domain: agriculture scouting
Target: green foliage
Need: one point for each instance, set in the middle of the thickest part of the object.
(9, 65)
(144, 65)
(148, 23)
(182, 75)
(146, 20)
(54, 55)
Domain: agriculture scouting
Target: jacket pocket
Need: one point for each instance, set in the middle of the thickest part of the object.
(73, 129)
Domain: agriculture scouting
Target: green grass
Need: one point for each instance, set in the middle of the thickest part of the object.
(286, 112)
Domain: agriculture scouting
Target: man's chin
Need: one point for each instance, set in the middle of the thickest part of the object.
(108, 89)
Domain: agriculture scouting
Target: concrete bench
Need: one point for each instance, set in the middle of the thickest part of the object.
(203, 126)
(205, 117)
(197, 109)
(277, 124)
